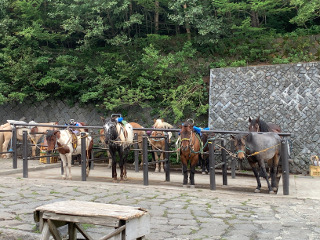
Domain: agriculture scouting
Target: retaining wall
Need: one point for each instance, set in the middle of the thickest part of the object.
(288, 95)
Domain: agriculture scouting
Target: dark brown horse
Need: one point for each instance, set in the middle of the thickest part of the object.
(189, 151)
(258, 125)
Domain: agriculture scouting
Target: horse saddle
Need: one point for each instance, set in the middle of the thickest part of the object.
(74, 139)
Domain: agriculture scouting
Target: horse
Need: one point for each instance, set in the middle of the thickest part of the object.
(258, 125)
(260, 149)
(6, 136)
(140, 134)
(36, 133)
(189, 151)
(69, 144)
(119, 138)
(204, 156)
(103, 142)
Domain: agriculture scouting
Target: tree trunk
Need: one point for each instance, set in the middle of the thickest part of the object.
(156, 17)
(187, 25)
(254, 19)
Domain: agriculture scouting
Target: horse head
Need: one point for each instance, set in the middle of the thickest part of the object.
(51, 137)
(110, 130)
(239, 141)
(186, 135)
(254, 124)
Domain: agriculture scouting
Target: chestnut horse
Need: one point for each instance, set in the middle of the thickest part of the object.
(36, 132)
(140, 134)
(157, 142)
(68, 144)
(189, 151)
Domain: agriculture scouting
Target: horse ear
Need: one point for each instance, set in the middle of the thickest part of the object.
(162, 119)
(103, 119)
(258, 118)
(250, 119)
(154, 120)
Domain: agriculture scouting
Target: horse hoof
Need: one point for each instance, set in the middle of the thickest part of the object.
(203, 173)
(271, 192)
(114, 180)
(63, 178)
(275, 189)
(257, 190)
(185, 185)
(156, 170)
(192, 186)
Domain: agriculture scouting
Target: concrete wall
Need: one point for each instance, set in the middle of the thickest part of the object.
(288, 95)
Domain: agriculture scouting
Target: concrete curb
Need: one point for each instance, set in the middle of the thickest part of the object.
(30, 169)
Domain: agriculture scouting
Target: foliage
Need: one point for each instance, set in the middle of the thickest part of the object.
(151, 53)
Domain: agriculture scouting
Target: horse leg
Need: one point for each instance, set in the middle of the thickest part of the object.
(161, 164)
(156, 159)
(274, 173)
(69, 157)
(5, 148)
(255, 170)
(114, 166)
(193, 164)
(263, 168)
(185, 172)
(64, 166)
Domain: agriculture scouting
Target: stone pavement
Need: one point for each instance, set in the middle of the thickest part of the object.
(230, 212)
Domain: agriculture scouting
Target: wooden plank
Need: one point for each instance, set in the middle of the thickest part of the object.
(53, 230)
(114, 233)
(45, 233)
(81, 208)
(104, 221)
(83, 232)
(138, 227)
(72, 231)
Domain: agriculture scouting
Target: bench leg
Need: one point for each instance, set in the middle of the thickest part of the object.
(72, 231)
(45, 233)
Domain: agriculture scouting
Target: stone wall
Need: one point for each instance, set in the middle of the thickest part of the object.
(288, 95)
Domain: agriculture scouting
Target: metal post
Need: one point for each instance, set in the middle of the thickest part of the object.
(83, 157)
(233, 162)
(145, 160)
(25, 154)
(91, 163)
(285, 166)
(224, 160)
(14, 147)
(167, 157)
(212, 164)
(136, 153)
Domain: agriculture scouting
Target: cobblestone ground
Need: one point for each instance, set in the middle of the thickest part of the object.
(176, 213)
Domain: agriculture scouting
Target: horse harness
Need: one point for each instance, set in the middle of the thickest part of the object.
(191, 144)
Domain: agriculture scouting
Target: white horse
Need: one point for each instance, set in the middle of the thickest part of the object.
(68, 144)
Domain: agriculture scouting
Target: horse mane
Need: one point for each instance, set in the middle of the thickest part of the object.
(264, 127)
(159, 123)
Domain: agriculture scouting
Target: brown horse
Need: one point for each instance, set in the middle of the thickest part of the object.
(140, 134)
(189, 151)
(36, 132)
(258, 125)
(157, 141)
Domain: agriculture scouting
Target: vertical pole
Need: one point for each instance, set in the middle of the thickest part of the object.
(25, 154)
(136, 153)
(14, 147)
(167, 157)
(212, 164)
(145, 160)
(224, 160)
(285, 166)
(83, 157)
(91, 163)
(233, 162)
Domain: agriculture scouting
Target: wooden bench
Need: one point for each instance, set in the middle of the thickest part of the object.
(128, 222)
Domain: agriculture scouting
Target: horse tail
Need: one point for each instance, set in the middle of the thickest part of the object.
(1, 139)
